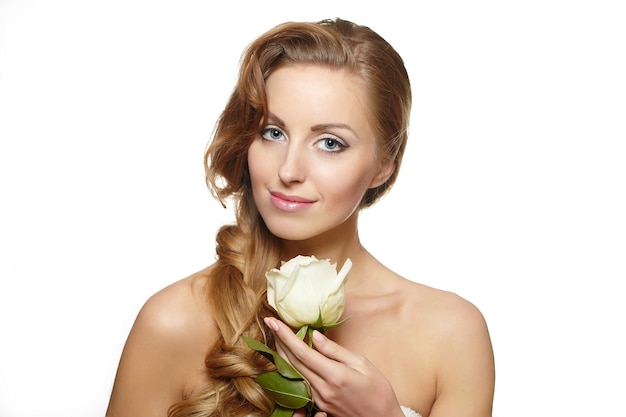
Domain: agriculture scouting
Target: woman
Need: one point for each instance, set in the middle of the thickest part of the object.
(314, 131)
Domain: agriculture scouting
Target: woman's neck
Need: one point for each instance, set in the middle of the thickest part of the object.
(337, 244)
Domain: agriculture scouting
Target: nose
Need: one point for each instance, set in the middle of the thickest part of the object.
(293, 166)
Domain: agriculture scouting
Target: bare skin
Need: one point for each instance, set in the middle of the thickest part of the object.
(163, 358)
(432, 346)
(404, 344)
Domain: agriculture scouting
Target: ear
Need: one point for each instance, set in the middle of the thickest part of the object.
(383, 174)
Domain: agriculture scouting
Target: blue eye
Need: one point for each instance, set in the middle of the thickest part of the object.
(272, 133)
(330, 144)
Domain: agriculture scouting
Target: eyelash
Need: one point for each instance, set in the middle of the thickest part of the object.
(268, 129)
(341, 146)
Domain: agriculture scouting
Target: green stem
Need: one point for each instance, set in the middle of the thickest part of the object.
(310, 335)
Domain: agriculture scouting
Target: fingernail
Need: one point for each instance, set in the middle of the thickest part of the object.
(271, 323)
(318, 337)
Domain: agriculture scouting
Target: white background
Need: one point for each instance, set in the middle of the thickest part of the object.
(512, 193)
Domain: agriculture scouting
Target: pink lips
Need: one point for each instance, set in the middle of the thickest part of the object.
(291, 203)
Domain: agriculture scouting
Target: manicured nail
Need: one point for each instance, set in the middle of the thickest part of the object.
(318, 337)
(271, 323)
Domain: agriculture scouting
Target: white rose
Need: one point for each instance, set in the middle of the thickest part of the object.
(305, 287)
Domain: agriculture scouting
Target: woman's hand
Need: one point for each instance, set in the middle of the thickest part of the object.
(344, 383)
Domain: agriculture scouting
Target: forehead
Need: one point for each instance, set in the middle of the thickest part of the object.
(318, 92)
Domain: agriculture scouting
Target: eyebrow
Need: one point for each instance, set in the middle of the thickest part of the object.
(316, 128)
(326, 126)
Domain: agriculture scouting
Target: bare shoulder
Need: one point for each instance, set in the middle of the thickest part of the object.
(178, 311)
(449, 311)
(458, 340)
(445, 312)
(163, 358)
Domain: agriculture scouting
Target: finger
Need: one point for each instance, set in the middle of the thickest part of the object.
(336, 352)
(309, 362)
(285, 337)
(302, 413)
(299, 413)
(315, 366)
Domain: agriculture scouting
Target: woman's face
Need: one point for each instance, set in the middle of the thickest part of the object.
(316, 157)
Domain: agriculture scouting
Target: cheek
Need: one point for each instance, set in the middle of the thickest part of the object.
(255, 163)
(349, 185)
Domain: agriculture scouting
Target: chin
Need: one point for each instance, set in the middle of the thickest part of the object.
(291, 234)
(289, 231)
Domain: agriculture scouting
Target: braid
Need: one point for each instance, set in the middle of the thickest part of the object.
(238, 303)
(247, 249)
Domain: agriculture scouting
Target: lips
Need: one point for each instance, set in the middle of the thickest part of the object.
(290, 203)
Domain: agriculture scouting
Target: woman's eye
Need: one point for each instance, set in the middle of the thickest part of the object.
(272, 133)
(332, 145)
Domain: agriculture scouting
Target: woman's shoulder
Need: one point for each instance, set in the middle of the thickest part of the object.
(163, 358)
(420, 306)
(452, 332)
(454, 326)
(445, 311)
(179, 310)
(456, 337)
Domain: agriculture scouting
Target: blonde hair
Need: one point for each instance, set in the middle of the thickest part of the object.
(247, 249)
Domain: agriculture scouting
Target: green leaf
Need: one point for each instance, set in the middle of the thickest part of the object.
(302, 332)
(330, 326)
(282, 412)
(284, 367)
(285, 392)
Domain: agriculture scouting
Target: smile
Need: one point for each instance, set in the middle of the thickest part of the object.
(289, 203)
